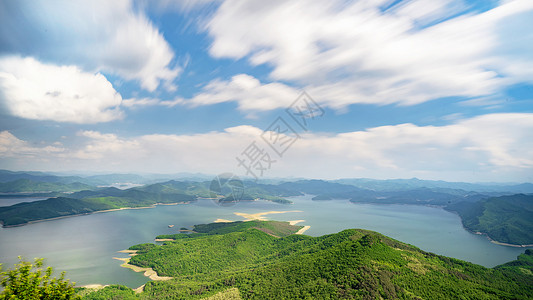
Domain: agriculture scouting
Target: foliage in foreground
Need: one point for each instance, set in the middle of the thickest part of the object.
(30, 281)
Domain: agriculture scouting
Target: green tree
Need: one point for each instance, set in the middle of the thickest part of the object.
(31, 281)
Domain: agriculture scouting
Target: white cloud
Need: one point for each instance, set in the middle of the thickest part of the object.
(108, 36)
(353, 52)
(143, 102)
(134, 102)
(249, 93)
(182, 5)
(100, 145)
(33, 90)
(12, 147)
(495, 147)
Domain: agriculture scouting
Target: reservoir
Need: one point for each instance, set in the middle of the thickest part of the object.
(84, 246)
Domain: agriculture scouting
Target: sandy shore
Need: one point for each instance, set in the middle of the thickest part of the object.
(148, 272)
(164, 240)
(496, 242)
(296, 222)
(139, 289)
(127, 251)
(94, 286)
(97, 287)
(509, 245)
(222, 221)
(304, 229)
(260, 216)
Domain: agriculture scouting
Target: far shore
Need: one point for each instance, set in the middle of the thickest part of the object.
(93, 212)
(504, 244)
(496, 242)
(487, 236)
(510, 245)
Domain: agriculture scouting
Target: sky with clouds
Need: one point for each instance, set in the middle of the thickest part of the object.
(434, 89)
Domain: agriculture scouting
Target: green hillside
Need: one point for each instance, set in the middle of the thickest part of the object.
(30, 186)
(523, 264)
(274, 228)
(352, 264)
(506, 219)
(84, 202)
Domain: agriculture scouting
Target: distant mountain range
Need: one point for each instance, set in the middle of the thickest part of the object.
(363, 183)
(98, 180)
(495, 210)
(31, 186)
(415, 183)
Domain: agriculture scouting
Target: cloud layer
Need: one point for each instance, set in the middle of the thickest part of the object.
(495, 147)
(33, 90)
(108, 36)
(364, 52)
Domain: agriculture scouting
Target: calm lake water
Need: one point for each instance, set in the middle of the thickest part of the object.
(84, 246)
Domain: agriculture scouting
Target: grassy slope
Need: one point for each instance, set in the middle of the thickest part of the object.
(507, 219)
(355, 264)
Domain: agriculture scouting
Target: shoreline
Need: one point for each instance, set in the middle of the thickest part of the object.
(260, 216)
(95, 286)
(148, 272)
(486, 235)
(304, 229)
(222, 221)
(294, 222)
(500, 243)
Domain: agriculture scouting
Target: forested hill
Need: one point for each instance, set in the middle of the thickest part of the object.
(30, 186)
(506, 219)
(246, 263)
(84, 202)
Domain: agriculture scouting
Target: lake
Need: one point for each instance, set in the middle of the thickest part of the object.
(84, 246)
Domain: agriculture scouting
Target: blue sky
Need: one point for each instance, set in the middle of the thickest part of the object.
(439, 89)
